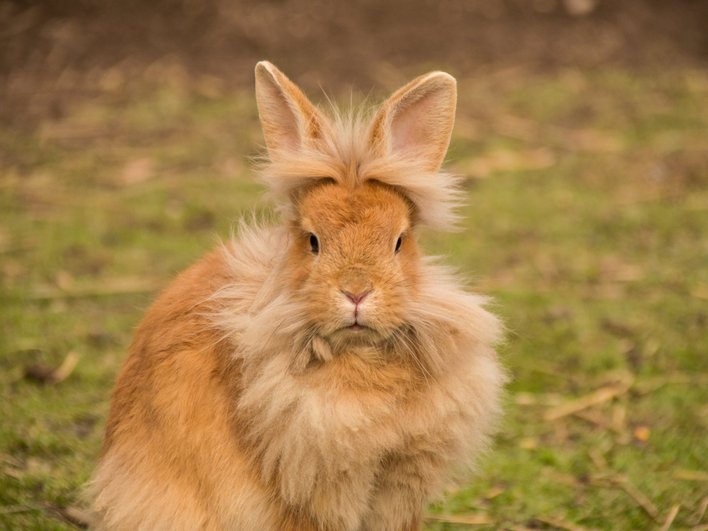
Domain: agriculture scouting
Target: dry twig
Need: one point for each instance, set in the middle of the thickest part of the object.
(670, 518)
(600, 396)
(13, 509)
(76, 516)
(52, 375)
(119, 286)
(638, 496)
(598, 459)
(560, 524)
(468, 519)
(691, 475)
(701, 511)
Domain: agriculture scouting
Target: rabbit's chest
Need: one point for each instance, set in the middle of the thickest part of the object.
(347, 415)
(324, 441)
(353, 401)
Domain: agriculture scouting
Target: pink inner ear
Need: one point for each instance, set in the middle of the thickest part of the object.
(421, 124)
(280, 124)
(287, 116)
(408, 130)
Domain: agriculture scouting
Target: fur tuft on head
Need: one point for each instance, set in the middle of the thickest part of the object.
(402, 145)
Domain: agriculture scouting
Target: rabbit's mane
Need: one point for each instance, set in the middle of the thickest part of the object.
(343, 153)
(273, 339)
(259, 312)
(263, 317)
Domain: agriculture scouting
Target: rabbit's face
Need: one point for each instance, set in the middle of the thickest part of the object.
(355, 260)
(354, 188)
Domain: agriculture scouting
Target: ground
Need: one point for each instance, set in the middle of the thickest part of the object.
(586, 216)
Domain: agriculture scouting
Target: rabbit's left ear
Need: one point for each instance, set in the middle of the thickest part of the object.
(289, 120)
(416, 121)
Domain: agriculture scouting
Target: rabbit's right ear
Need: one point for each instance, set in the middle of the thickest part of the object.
(416, 121)
(289, 120)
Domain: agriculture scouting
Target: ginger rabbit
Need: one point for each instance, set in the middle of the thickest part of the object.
(321, 374)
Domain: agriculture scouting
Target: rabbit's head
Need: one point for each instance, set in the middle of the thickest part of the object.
(352, 192)
(353, 259)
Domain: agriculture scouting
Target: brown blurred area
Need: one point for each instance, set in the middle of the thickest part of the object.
(53, 52)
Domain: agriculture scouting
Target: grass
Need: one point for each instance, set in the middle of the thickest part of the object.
(587, 221)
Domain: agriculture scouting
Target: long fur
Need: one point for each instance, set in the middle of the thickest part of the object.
(346, 155)
(243, 406)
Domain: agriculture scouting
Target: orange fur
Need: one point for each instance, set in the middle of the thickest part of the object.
(278, 384)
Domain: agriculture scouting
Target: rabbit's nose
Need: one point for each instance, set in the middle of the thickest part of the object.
(356, 298)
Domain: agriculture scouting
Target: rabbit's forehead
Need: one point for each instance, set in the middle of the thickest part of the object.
(333, 207)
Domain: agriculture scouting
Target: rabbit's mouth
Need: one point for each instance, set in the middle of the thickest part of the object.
(357, 331)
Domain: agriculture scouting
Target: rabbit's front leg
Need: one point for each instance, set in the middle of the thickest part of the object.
(402, 489)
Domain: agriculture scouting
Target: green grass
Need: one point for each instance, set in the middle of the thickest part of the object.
(587, 221)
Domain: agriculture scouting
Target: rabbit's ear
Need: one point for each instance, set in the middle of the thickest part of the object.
(416, 121)
(287, 117)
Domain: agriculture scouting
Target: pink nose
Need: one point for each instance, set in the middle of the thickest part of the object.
(356, 298)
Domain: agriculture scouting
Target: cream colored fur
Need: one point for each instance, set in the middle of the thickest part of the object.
(250, 400)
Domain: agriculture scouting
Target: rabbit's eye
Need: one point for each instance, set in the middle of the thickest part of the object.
(314, 244)
(399, 241)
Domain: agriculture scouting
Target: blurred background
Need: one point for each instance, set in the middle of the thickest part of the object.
(126, 134)
(56, 51)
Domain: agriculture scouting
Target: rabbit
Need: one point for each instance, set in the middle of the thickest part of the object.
(321, 373)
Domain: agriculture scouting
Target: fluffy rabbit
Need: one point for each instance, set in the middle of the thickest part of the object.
(321, 374)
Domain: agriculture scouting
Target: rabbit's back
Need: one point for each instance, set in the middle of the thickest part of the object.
(171, 457)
